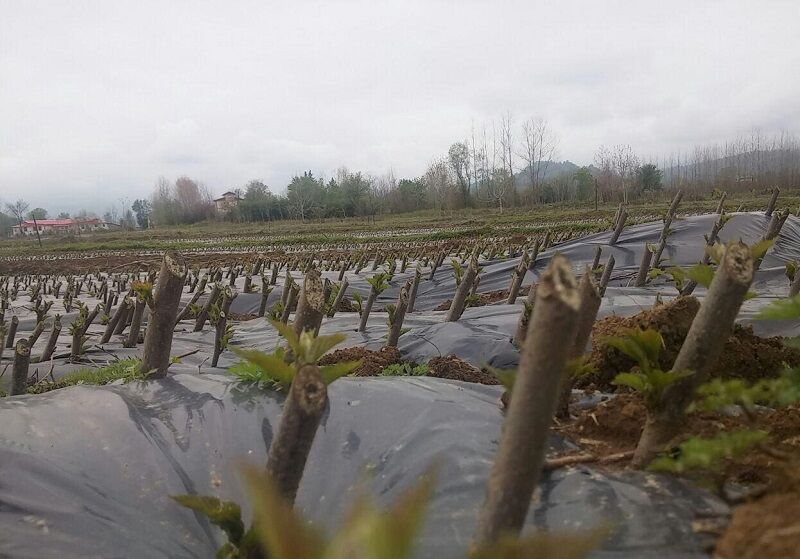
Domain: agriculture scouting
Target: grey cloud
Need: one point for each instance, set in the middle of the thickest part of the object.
(99, 98)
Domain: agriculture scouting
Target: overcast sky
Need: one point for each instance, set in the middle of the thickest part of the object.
(98, 99)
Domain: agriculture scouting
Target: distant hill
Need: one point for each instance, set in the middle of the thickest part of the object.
(554, 169)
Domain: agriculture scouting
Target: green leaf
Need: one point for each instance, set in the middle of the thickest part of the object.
(545, 545)
(371, 533)
(678, 276)
(759, 249)
(322, 344)
(282, 532)
(225, 514)
(716, 252)
(337, 370)
(791, 270)
(701, 273)
(643, 346)
(273, 365)
(579, 366)
(708, 453)
(287, 332)
(792, 342)
(506, 377)
(783, 309)
(631, 380)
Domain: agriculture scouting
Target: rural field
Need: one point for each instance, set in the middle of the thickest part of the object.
(619, 380)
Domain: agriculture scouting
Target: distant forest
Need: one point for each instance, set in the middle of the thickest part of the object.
(497, 166)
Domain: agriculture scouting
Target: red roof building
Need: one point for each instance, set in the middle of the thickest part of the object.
(60, 226)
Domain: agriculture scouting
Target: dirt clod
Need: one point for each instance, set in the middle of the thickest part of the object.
(768, 527)
(745, 355)
(372, 362)
(453, 368)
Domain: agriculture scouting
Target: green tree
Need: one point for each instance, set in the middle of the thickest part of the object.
(648, 177)
(412, 195)
(584, 182)
(142, 210)
(304, 195)
(458, 156)
(258, 202)
(38, 213)
(355, 189)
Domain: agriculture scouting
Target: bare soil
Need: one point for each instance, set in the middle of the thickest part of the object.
(767, 526)
(745, 355)
(453, 368)
(372, 362)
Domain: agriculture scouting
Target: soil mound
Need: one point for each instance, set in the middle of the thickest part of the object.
(745, 355)
(453, 368)
(768, 527)
(488, 298)
(372, 362)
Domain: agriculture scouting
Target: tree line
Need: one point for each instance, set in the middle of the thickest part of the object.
(498, 165)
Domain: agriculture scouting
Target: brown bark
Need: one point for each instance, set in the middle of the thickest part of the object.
(623, 217)
(523, 441)
(12, 331)
(644, 267)
(311, 304)
(772, 201)
(460, 297)
(587, 313)
(50, 347)
(36, 333)
(721, 206)
(122, 323)
(202, 316)
(609, 267)
(701, 349)
(221, 325)
(302, 412)
(399, 315)
(161, 322)
(290, 300)
(412, 295)
(112, 324)
(516, 279)
(710, 242)
(596, 262)
(524, 318)
(22, 359)
(365, 312)
(288, 282)
(265, 291)
(136, 324)
(670, 215)
(338, 299)
(187, 309)
(794, 289)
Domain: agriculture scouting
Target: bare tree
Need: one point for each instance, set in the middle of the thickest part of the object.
(19, 210)
(625, 164)
(507, 153)
(458, 156)
(438, 181)
(539, 148)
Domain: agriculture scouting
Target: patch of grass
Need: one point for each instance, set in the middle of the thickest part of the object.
(404, 370)
(126, 370)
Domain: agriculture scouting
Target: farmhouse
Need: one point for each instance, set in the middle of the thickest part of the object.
(60, 226)
(227, 201)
